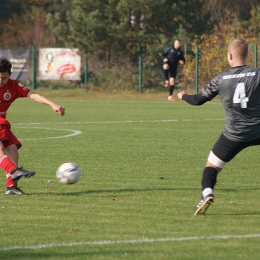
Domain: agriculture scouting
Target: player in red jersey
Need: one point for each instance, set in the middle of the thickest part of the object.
(9, 91)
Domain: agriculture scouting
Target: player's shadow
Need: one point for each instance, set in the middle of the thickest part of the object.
(116, 191)
(234, 214)
(196, 190)
(76, 253)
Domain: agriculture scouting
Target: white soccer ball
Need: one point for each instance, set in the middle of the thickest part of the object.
(68, 173)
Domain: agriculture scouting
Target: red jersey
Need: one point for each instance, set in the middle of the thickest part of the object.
(8, 94)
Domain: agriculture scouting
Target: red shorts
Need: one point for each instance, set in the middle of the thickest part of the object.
(7, 137)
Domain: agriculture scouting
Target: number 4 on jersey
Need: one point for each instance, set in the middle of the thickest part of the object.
(240, 95)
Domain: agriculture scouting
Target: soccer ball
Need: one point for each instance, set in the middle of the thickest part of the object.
(68, 173)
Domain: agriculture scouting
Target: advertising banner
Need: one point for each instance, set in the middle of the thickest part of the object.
(59, 63)
(20, 62)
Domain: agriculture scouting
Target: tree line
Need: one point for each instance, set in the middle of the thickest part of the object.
(115, 30)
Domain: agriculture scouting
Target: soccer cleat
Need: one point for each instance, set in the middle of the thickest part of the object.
(171, 99)
(166, 84)
(204, 204)
(14, 191)
(19, 173)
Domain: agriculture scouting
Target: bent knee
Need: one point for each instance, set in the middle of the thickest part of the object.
(165, 66)
(215, 162)
(172, 81)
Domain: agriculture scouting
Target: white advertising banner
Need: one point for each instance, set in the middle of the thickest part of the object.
(59, 63)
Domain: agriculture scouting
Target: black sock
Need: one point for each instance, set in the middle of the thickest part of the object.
(166, 75)
(171, 89)
(209, 178)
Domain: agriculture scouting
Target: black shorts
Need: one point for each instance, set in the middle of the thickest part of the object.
(172, 70)
(226, 149)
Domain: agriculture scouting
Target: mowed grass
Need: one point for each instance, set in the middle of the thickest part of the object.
(142, 162)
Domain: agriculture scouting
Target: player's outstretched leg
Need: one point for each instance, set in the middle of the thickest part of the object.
(19, 173)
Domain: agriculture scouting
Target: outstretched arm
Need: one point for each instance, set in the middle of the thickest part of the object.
(196, 100)
(40, 99)
(206, 94)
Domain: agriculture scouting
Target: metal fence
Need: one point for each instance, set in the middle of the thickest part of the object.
(143, 71)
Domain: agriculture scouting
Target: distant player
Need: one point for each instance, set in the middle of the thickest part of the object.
(9, 91)
(171, 57)
(239, 91)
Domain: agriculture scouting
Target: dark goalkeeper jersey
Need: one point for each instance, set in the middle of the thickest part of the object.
(173, 55)
(239, 91)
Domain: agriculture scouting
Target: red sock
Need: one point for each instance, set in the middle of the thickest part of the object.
(9, 181)
(7, 165)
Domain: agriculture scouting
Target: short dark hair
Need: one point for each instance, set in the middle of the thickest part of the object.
(5, 65)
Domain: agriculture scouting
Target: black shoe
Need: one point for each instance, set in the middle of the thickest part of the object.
(19, 173)
(14, 191)
(204, 204)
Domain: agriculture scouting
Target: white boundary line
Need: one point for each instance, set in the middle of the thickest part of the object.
(122, 122)
(74, 132)
(77, 132)
(133, 241)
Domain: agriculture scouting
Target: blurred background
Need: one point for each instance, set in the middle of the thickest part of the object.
(119, 42)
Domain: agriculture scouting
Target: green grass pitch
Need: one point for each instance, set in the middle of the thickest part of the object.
(141, 163)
